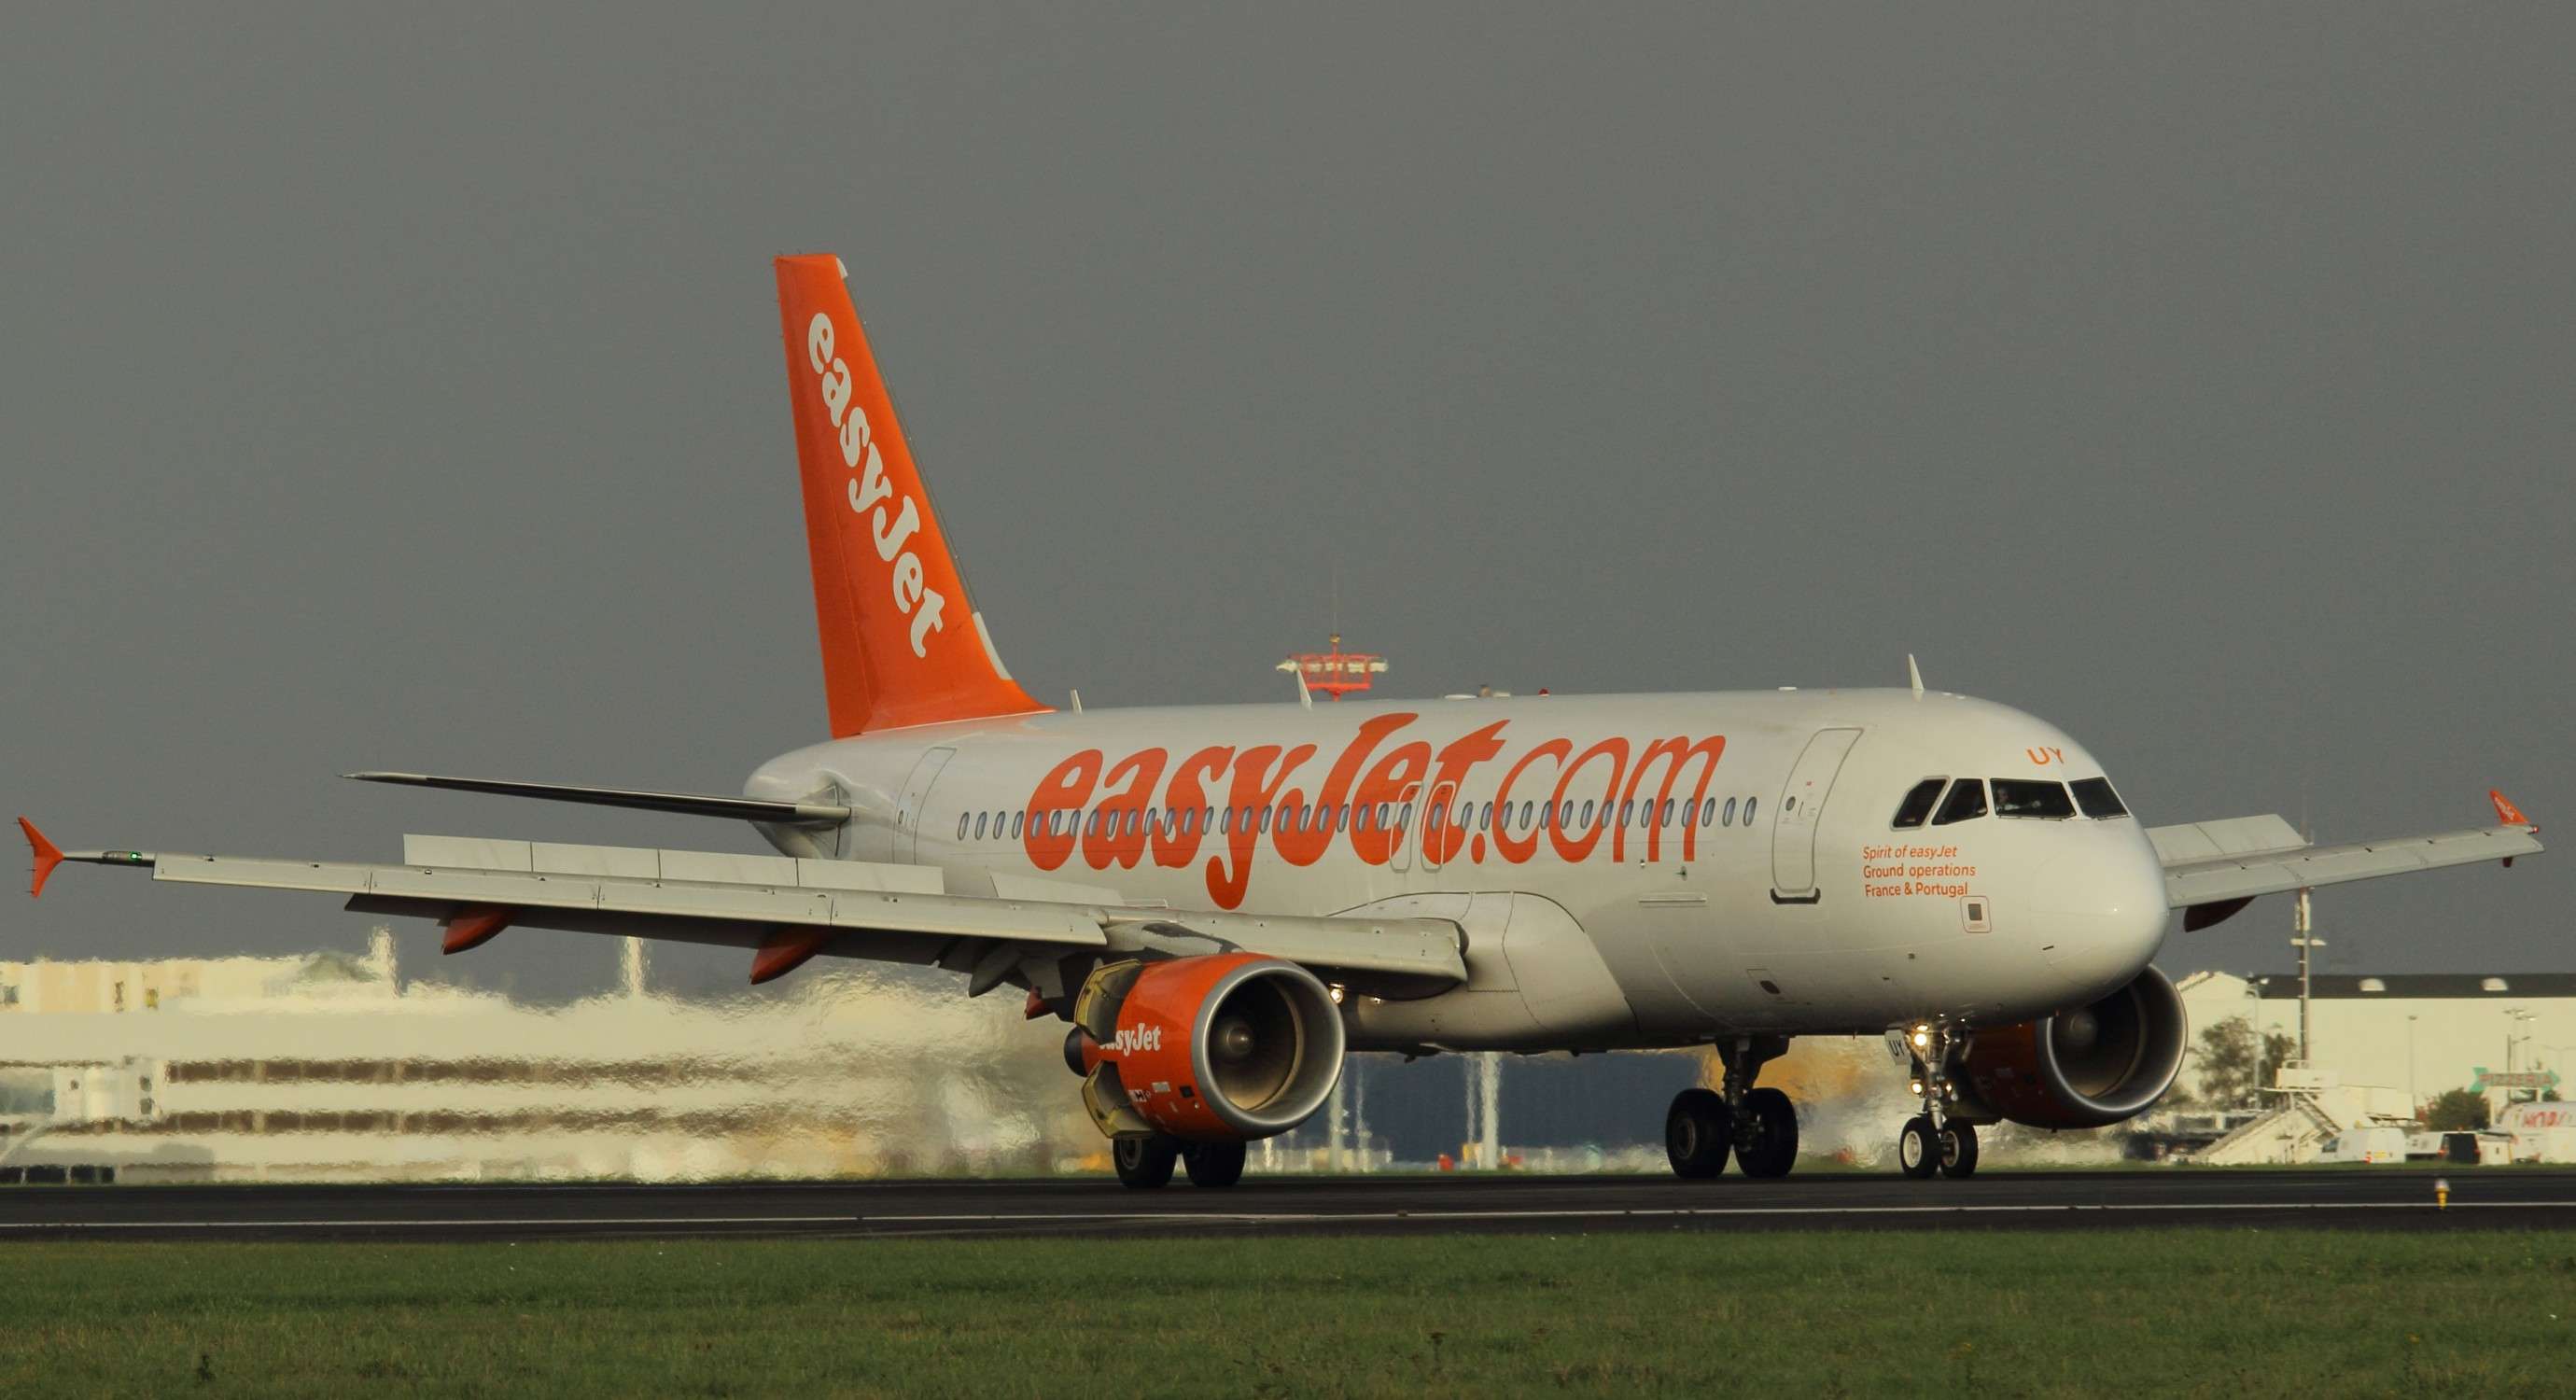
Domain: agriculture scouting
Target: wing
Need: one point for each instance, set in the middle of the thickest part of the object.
(1036, 933)
(2213, 869)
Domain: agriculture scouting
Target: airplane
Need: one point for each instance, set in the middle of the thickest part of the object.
(1224, 902)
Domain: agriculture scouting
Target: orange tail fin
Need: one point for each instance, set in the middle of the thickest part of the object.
(901, 643)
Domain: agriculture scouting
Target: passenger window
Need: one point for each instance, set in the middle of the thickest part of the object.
(1966, 802)
(1666, 816)
(1626, 810)
(2094, 795)
(1404, 816)
(1587, 814)
(962, 819)
(2029, 797)
(1918, 803)
(1726, 816)
(1708, 812)
(1748, 811)
(1019, 821)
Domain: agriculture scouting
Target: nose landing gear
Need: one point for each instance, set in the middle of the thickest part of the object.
(1935, 1140)
(1758, 1127)
(1949, 1147)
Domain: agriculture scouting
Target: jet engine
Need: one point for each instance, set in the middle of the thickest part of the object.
(1222, 1048)
(2083, 1068)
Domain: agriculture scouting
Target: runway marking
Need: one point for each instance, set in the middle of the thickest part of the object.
(1256, 1218)
(1260, 1217)
(471, 1222)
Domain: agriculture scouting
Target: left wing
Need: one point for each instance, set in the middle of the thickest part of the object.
(2213, 869)
(787, 910)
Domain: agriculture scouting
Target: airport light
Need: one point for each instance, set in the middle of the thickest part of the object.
(2414, 1105)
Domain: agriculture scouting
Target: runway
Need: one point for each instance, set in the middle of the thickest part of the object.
(2351, 1198)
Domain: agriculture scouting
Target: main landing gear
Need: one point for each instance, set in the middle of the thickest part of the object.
(1145, 1164)
(1758, 1127)
(1934, 1140)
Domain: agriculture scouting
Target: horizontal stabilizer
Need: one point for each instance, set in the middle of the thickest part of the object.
(750, 809)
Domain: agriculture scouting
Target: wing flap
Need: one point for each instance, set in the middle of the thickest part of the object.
(2194, 842)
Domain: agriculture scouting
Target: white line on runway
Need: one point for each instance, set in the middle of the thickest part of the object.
(1253, 1218)
(472, 1222)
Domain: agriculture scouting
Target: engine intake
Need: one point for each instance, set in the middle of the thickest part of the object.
(2083, 1068)
(1223, 1048)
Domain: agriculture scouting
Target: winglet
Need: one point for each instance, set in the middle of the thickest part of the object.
(48, 855)
(2507, 814)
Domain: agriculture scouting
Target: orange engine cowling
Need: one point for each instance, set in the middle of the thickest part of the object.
(2083, 1068)
(1222, 1048)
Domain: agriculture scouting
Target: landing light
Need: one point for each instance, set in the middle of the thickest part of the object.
(1914, 1087)
(1336, 990)
(1922, 1037)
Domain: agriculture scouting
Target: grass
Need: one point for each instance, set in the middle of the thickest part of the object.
(2073, 1313)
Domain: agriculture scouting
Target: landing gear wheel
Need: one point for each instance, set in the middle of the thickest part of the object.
(1697, 1133)
(1766, 1134)
(1918, 1148)
(1145, 1164)
(1958, 1150)
(1219, 1163)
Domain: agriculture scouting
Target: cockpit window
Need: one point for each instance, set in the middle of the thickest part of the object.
(1918, 803)
(2094, 795)
(1966, 802)
(2029, 797)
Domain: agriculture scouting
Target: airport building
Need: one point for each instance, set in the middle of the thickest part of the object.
(330, 1066)
(2416, 1033)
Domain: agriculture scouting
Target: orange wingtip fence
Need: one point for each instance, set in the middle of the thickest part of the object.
(2508, 814)
(47, 854)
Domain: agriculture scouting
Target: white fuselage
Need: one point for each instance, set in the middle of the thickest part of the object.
(1705, 865)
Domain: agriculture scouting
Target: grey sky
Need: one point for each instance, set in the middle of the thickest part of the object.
(387, 390)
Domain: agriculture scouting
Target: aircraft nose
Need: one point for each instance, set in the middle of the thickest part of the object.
(2099, 911)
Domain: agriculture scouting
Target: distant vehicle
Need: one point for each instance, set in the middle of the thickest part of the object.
(2365, 1144)
(1223, 901)
(2542, 1132)
(2483, 1148)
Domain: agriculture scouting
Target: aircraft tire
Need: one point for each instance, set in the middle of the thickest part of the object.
(1918, 1149)
(1698, 1131)
(1772, 1148)
(1213, 1163)
(1958, 1150)
(1145, 1164)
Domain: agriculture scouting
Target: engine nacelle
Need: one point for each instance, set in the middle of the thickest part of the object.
(2083, 1068)
(1223, 1048)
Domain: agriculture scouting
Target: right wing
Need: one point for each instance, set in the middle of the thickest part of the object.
(2214, 869)
(789, 910)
